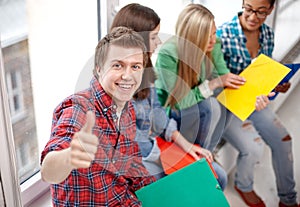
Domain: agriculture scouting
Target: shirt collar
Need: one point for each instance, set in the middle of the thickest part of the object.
(103, 101)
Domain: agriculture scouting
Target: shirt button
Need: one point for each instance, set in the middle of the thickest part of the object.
(134, 165)
(114, 106)
(113, 161)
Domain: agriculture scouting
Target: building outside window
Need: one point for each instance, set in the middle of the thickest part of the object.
(19, 90)
(16, 64)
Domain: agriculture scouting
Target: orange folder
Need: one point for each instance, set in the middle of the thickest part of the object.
(174, 158)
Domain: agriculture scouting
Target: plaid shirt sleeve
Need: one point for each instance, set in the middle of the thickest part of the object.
(68, 118)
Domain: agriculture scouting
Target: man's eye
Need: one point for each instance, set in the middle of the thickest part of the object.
(153, 38)
(136, 67)
(262, 12)
(117, 66)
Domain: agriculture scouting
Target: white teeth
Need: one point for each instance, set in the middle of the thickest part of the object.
(125, 86)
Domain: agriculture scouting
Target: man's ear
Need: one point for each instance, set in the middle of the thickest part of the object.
(271, 9)
(98, 70)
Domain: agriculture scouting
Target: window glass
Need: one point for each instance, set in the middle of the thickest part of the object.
(16, 63)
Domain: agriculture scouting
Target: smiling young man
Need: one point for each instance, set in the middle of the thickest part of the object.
(243, 39)
(91, 158)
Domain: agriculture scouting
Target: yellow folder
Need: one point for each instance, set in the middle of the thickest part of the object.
(262, 76)
(192, 186)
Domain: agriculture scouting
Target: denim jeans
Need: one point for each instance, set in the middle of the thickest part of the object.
(222, 175)
(248, 136)
(202, 123)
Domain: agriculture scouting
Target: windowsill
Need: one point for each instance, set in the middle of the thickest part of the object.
(33, 189)
(44, 200)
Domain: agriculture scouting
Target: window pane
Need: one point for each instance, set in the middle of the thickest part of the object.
(13, 80)
(13, 27)
(17, 69)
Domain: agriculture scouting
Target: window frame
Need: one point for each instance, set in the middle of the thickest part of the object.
(11, 186)
(15, 194)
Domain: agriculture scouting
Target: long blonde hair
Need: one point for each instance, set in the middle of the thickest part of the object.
(193, 29)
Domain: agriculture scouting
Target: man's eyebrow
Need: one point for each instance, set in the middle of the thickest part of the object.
(115, 60)
(121, 61)
(137, 63)
(262, 7)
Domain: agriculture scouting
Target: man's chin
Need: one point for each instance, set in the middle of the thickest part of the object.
(123, 98)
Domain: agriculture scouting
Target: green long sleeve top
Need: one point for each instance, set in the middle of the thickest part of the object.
(167, 68)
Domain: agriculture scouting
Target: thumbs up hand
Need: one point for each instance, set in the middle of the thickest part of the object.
(84, 145)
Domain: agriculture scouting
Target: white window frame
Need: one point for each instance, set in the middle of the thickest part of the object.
(8, 169)
(15, 194)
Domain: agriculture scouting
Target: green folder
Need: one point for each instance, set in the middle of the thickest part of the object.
(193, 185)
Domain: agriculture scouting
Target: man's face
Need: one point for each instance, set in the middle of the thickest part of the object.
(122, 73)
(255, 13)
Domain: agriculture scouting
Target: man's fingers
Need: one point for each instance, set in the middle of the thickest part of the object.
(261, 102)
(90, 122)
(83, 150)
(88, 145)
(271, 94)
(80, 163)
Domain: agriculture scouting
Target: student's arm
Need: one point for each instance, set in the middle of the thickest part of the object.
(57, 165)
(166, 69)
(172, 134)
(158, 117)
(195, 151)
(223, 76)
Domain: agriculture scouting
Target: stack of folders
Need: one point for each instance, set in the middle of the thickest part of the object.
(192, 185)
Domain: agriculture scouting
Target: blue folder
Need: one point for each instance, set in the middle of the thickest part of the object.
(192, 186)
(294, 68)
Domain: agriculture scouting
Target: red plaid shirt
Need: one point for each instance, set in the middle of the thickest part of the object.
(117, 171)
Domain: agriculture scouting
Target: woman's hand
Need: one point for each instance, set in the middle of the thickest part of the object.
(229, 80)
(195, 151)
(198, 152)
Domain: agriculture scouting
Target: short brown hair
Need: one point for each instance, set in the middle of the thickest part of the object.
(119, 36)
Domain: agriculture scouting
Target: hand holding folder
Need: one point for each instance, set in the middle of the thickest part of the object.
(294, 68)
(262, 75)
(174, 158)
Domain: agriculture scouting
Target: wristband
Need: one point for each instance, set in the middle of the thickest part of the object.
(205, 90)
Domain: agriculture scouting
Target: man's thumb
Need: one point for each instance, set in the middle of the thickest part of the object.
(90, 122)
